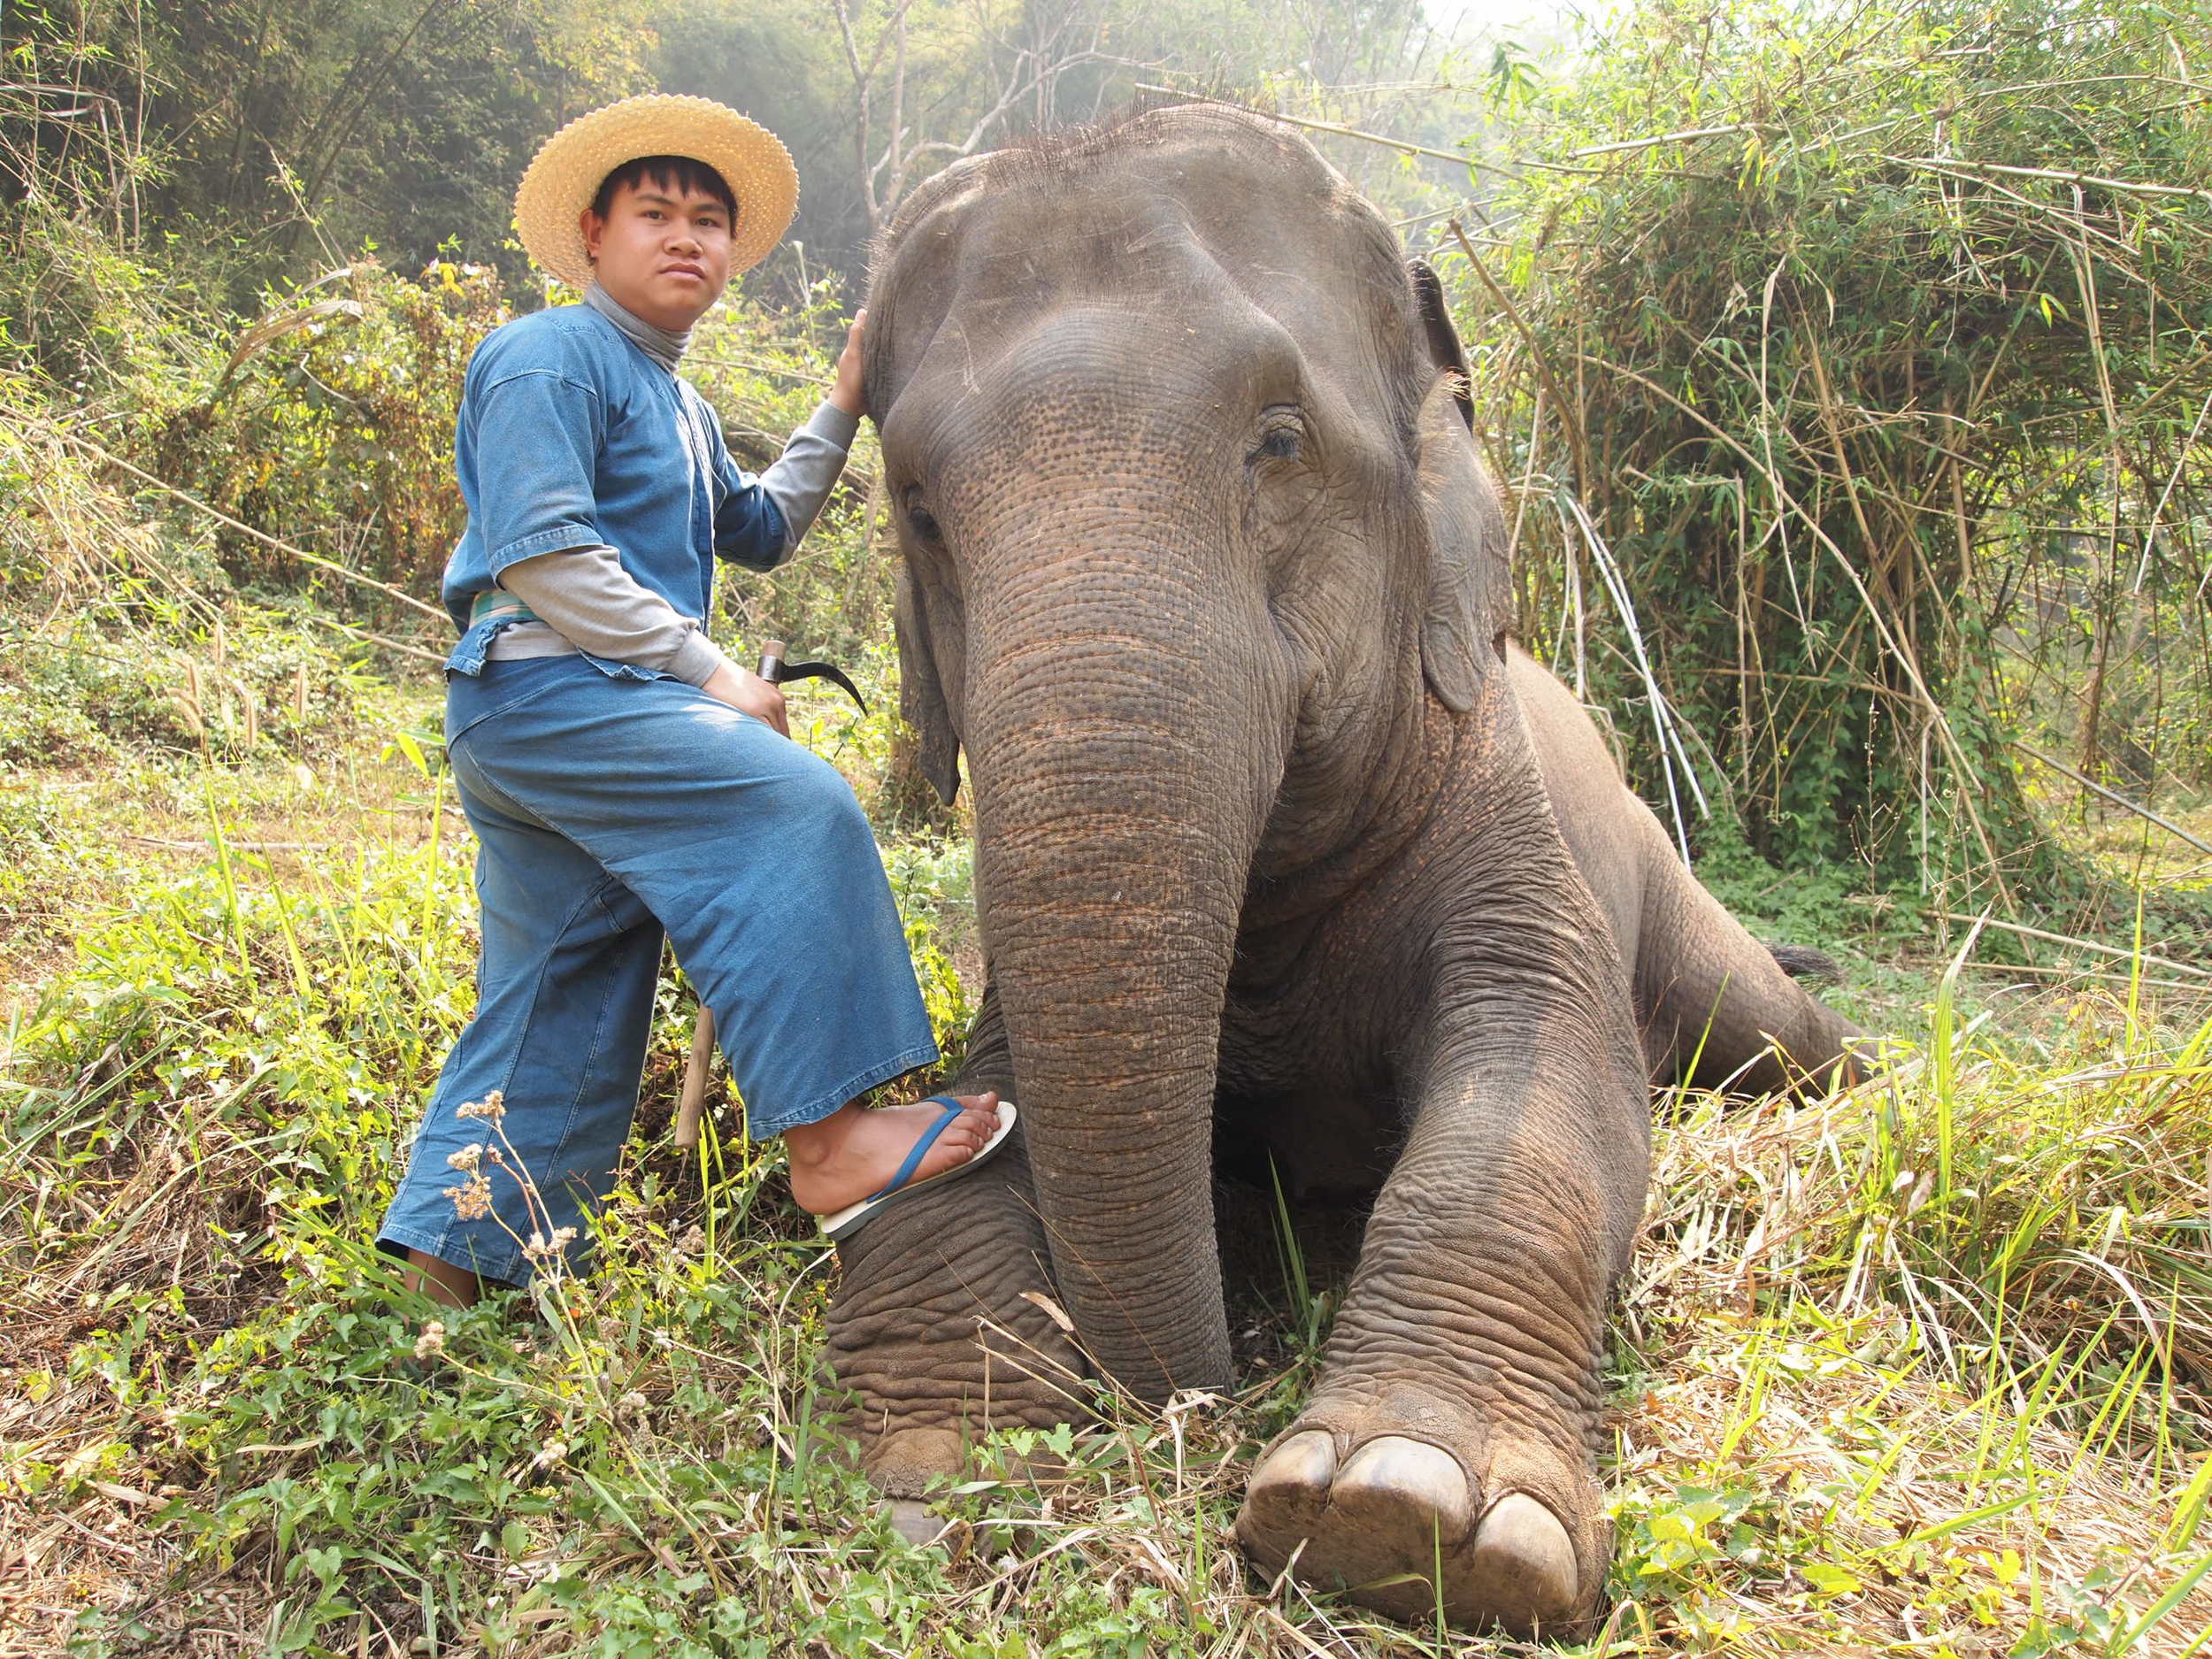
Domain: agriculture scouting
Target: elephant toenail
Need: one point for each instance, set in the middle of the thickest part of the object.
(1407, 1472)
(912, 1520)
(1301, 1467)
(1526, 1564)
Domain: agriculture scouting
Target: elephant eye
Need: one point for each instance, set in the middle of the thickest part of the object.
(1282, 434)
(923, 523)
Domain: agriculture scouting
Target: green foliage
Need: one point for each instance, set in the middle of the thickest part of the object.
(934, 884)
(331, 420)
(102, 689)
(1823, 315)
(247, 131)
(1878, 1349)
(2001, 1222)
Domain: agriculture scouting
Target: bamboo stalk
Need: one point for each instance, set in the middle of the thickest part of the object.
(1338, 129)
(1683, 138)
(2083, 973)
(2078, 944)
(1930, 163)
(1578, 445)
(2115, 796)
(376, 639)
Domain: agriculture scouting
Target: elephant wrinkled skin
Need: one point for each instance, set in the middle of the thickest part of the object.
(1276, 838)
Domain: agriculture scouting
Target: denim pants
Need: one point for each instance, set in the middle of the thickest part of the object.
(610, 811)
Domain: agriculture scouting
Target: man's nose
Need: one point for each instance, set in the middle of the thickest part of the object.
(681, 235)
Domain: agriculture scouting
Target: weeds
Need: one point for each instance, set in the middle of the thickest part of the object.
(1928, 1362)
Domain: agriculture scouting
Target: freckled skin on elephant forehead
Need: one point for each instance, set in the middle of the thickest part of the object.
(1161, 212)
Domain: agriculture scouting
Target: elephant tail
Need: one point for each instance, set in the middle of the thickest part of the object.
(1802, 962)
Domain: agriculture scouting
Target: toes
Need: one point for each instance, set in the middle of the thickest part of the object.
(1288, 1494)
(1395, 1527)
(1397, 1511)
(952, 1149)
(1394, 1478)
(1523, 1566)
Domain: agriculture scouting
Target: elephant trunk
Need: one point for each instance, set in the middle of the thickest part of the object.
(1122, 757)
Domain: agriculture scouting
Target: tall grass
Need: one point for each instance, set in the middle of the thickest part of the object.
(1925, 1364)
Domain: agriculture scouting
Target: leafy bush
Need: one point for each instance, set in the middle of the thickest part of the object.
(1835, 323)
(330, 423)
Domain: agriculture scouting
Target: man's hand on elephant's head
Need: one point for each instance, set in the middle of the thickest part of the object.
(846, 394)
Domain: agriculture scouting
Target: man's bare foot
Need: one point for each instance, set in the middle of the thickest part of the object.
(852, 1152)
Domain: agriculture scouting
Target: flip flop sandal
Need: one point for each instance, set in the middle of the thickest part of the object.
(843, 1223)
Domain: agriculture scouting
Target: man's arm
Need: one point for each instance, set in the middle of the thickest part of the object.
(595, 604)
(800, 480)
(585, 596)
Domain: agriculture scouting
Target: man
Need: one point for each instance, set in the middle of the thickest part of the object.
(623, 776)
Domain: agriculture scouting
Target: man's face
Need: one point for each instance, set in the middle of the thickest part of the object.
(663, 253)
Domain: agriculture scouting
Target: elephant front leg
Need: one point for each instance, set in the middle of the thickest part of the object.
(1458, 1405)
(932, 1331)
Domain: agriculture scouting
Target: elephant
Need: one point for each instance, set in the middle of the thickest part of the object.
(1280, 840)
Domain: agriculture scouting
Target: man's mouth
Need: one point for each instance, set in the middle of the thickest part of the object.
(684, 270)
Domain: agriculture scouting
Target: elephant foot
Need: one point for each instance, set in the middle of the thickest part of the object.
(903, 1461)
(1400, 1525)
(914, 1521)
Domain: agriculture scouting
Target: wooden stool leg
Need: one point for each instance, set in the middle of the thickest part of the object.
(695, 1094)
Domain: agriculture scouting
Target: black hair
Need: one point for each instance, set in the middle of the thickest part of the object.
(669, 172)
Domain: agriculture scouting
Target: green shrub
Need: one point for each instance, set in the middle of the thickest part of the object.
(1850, 364)
(329, 424)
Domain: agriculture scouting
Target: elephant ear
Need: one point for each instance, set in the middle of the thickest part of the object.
(921, 694)
(1445, 350)
(1470, 588)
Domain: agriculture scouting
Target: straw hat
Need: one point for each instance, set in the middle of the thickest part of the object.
(571, 166)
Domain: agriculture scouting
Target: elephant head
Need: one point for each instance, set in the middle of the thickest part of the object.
(1196, 554)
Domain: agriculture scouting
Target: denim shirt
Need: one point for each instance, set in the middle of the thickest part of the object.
(570, 435)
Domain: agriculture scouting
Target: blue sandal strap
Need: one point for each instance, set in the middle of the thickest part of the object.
(953, 1108)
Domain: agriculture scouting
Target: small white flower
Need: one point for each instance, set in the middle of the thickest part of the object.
(493, 1106)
